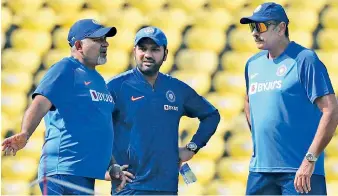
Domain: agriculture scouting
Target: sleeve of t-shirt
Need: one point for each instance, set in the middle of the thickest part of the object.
(57, 85)
(111, 84)
(113, 88)
(314, 76)
(194, 104)
(246, 78)
(197, 106)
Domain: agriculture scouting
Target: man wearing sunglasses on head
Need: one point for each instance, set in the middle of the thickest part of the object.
(290, 107)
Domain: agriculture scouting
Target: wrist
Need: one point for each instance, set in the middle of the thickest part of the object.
(115, 166)
(192, 146)
(26, 134)
(310, 157)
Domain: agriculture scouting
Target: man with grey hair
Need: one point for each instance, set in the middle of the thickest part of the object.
(291, 109)
(77, 106)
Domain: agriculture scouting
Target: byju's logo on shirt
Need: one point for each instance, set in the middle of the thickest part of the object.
(258, 87)
(97, 96)
(169, 107)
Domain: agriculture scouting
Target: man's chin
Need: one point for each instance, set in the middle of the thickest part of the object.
(148, 71)
(147, 67)
(101, 61)
(260, 45)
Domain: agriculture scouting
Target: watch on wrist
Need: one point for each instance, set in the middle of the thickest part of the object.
(114, 166)
(192, 147)
(310, 157)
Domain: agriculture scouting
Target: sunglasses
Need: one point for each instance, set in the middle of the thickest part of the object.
(260, 27)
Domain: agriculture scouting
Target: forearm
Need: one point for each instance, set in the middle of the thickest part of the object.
(206, 129)
(247, 111)
(325, 132)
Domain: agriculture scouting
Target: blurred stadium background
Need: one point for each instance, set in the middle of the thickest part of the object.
(207, 49)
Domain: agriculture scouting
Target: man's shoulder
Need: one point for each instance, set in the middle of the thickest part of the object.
(120, 78)
(170, 79)
(300, 53)
(174, 82)
(257, 56)
(117, 81)
(64, 65)
(307, 55)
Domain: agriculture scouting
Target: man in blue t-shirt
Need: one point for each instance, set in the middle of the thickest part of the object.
(77, 106)
(146, 118)
(290, 107)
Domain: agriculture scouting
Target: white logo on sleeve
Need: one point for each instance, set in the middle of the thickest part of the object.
(97, 96)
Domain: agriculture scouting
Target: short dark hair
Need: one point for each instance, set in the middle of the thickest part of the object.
(287, 31)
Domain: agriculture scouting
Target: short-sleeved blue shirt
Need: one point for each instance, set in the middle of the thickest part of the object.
(79, 129)
(284, 116)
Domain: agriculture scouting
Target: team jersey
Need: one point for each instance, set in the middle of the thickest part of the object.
(283, 113)
(146, 121)
(79, 128)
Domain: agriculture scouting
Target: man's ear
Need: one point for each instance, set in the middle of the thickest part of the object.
(134, 51)
(281, 28)
(277, 29)
(165, 55)
(78, 45)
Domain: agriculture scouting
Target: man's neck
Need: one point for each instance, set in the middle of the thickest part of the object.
(276, 52)
(83, 62)
(151, 79)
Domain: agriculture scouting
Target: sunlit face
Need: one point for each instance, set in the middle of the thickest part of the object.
(149, 56)
(265, 34)
(94, 50)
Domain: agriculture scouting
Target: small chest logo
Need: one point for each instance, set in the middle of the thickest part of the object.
(252, 76)
(170, 96)
(281, 70)
(136, 98)
(170, 107)
(253, 88)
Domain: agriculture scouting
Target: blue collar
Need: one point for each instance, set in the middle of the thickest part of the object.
(141, 77)
(286, 51)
